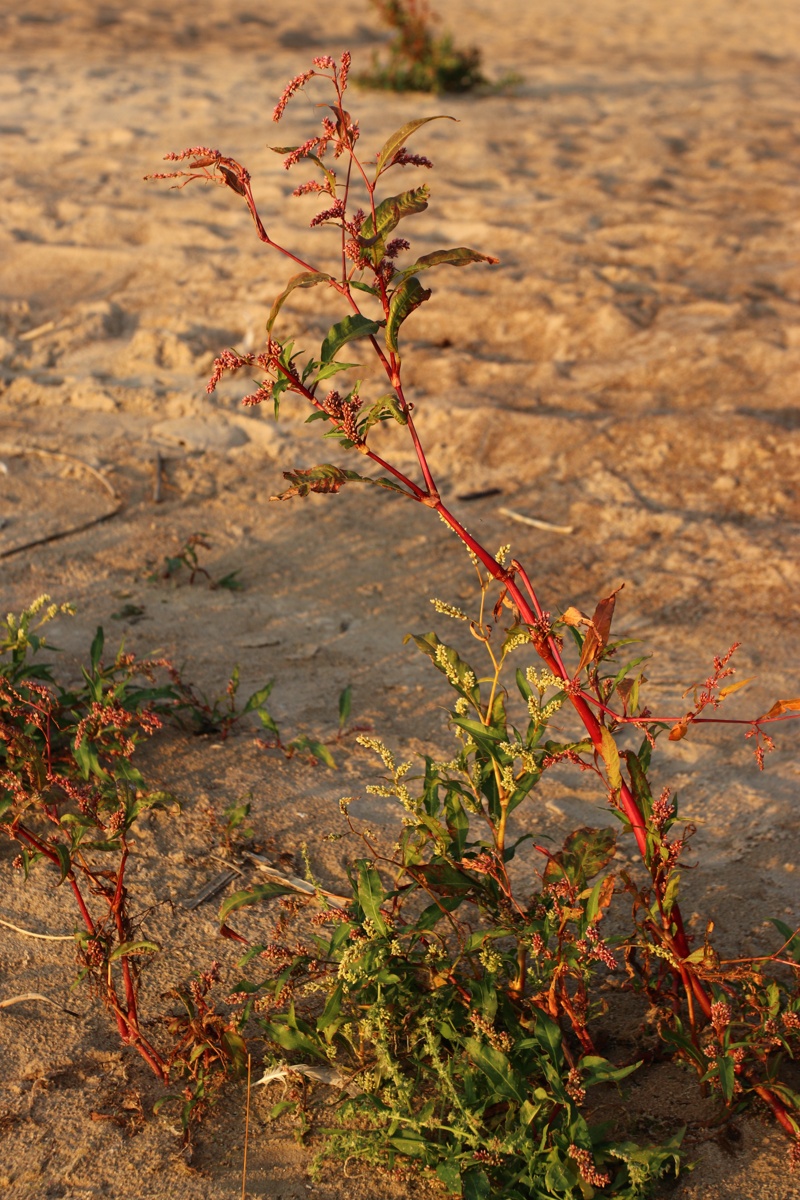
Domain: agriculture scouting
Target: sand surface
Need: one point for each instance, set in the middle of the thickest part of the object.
(630, 369)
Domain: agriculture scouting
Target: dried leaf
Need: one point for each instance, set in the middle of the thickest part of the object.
(780, 707)
(573, 617)
(679, 731)
(597, 636)
(734, 687)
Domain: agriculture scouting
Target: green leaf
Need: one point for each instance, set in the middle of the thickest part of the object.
(64, 860)
(133, 948)
(727, 1076)
(345, 704)
(293, 1039)
(317, 748)
(497, 1069)
(443, 879)
(399, 138)
(96, 651)
(475, 1185)
(561, 1176)
(408, 296)
(478, 730)
(364, 287)
(459, 256)
(257, 699)
(371, 895)
(384, 409)
(790, 936)
(327, 478)
(600, 1070)
(305, 279)
(347, 330)
(330, 369)
(449, 1173)
(264, 891)
(585, 852)
(388, 214)
(525, 689)
(639, 783)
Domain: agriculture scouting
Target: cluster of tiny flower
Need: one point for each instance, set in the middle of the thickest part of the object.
(502, 554)
(497, 1038)
(721, 1015)
(589, 1172)
(594, 946)
(94, 953)
(448, 610)
(536, 943)
(663, 809)
(344, 412)
(462, 683)
(541, 715)
(116, 821)
(488, 1157)
(515, 640)
(204, 982)
(402, 158)
(542, 680)
(370, 743)
(574, 1086)
(566, 755)
(721, 671)
(764, 744)
(490, 960)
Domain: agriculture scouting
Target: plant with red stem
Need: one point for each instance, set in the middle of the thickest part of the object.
(69, 796)
(379, 295)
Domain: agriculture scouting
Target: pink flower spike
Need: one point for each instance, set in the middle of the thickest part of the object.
(292, 86)
(325, 62)
(344, 69)
(193, 152)
(402, 159)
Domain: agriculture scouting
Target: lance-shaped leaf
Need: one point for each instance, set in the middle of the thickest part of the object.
(442, 878)
(347, 330)
(610, 753)
(328, 478)
(133, 948)
(459, 256)
(399, 139)
(406, 298)
(503, 1079)
(305, 279)
(263, 891)
(387, 216)
(371, 895)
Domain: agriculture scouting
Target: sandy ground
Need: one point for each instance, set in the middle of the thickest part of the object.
(629, 369)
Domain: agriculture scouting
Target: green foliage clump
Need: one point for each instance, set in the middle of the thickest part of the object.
(419, 60)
